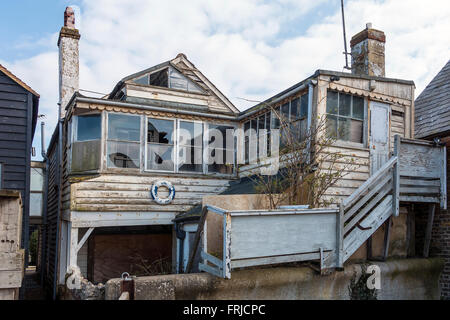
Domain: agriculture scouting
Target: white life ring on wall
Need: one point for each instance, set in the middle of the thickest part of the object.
(154, 192)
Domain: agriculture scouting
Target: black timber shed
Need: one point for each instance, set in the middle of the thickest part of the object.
(18, 116)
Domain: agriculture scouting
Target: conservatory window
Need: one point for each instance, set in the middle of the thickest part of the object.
(123, 147)
(221, 151)
(160, 145)
(190, 146)
(85, 150)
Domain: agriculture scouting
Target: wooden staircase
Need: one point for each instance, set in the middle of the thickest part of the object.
(367, 209)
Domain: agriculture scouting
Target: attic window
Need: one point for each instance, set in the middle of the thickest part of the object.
(169, 78)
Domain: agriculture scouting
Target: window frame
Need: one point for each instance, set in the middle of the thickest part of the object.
(177, 140)
(175, 143)
(206, 149)
(347, 143)
(106, 140)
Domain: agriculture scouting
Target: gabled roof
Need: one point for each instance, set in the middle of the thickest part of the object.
(17, 80)
(432, 106)
(188, 69)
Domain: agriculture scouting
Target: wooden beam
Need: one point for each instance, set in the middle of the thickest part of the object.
(85, 237)
(387, 238)
(201, 224)
(369, 248)
(426, 246)
(396, 175)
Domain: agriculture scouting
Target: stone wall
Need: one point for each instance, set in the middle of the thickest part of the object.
(400, 279)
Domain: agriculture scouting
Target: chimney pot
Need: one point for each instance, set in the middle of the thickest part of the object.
(69, 18)
(368, 25)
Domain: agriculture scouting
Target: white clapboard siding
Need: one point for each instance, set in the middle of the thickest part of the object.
(111, 192)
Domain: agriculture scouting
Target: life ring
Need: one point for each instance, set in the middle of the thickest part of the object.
(154, 192)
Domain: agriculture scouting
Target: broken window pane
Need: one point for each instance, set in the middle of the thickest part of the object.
(160, 157)
(160, 148)
(123, 154)
(285, 112)
(88, 128)
(160, 131)
(160, 78)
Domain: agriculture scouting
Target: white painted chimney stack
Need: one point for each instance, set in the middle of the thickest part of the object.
(68, 59)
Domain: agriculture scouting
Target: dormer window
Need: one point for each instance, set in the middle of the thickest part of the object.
(168, 78)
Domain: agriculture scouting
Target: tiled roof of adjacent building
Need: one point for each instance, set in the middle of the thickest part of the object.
(432, 106)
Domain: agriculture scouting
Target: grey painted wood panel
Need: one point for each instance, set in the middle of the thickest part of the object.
(264, 236)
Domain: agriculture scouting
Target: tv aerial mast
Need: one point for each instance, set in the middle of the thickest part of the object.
(346, 53)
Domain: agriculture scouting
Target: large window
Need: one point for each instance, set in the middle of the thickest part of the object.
(221, 150)
(123, 149)
(291, 116)
(345, 117)
(190, 146)
(85, 131)
(160, 145)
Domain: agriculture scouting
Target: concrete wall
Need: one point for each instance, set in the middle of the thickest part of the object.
(400, 279)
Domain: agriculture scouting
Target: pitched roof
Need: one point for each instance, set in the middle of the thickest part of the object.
(17, 80)
(188, 69)
(432, 106)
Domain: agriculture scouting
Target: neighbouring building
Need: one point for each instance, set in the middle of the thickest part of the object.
(433, 123)
(125, 182)
(18, 116)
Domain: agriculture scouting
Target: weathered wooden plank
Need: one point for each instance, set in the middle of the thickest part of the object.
(214, 260)
(405, 198)
(97, 219)
(201, 225)
(274, 260)
(373, 221)
(404, 181)
(381, 172)
(130, 207)
(227, 246)
(387, 238)
(271, 235)
(420, 190)
(368, 206)
(211, 270)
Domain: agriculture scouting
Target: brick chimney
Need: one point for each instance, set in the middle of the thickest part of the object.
(68, 59)
(367, 49)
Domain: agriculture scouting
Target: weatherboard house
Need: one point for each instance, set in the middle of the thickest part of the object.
(121, 193)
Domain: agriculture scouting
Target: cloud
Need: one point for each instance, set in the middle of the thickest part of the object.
(241, 46)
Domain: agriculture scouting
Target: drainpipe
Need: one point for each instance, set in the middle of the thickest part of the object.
(44, 205)
(181, 234)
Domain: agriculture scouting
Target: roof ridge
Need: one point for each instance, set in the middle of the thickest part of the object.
(17, 80)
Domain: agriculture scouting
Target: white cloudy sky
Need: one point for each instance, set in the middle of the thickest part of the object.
(247, 48)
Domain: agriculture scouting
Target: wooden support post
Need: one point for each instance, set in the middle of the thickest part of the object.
(426, 246)
(340, 237)
(226, 246)
(201, 224)
(73, 252)
(387, 238)
(85, 237)
(396, 178)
